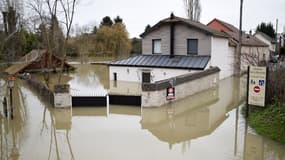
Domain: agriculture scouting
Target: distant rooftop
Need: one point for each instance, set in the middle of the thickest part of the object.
(247, 39)
(164, 61)
(266, 36)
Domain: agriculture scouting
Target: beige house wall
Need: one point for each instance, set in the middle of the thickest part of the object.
(181, 34)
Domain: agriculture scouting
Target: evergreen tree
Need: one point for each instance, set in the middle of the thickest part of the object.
(106, 21)
(267, 28)
(94, 31)
(118, 19)
(136, 46)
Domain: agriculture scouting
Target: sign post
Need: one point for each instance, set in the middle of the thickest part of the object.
(11, 81)
(256, 86)
(170, 91)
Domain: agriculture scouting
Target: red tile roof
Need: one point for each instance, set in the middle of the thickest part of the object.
(233, 32)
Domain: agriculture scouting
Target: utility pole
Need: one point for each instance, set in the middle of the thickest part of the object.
(277, 47)
(277, 29)
(240, 39)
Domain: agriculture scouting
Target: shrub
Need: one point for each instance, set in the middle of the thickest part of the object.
(276, 85)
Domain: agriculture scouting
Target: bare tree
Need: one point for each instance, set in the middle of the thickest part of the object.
(11, 24)
(252, 56)
(52, 14)
(193, 9)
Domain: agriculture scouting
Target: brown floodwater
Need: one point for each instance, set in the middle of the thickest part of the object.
(205, 126)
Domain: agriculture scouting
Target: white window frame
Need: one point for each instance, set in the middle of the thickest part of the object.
(156, 46)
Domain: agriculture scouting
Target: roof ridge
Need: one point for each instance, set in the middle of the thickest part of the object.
(195, 24)
(265, 35)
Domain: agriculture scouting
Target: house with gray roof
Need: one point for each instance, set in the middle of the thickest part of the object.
(176, 46)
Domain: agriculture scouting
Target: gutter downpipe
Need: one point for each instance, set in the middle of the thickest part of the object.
(172, 28)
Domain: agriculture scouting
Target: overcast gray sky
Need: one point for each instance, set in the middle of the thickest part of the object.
(137, 14)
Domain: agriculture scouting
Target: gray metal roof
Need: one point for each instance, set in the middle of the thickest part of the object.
(164, 61)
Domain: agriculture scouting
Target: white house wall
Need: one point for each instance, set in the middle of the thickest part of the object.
(266, 41)
(158, 98)
(134, 74)
(125, 88)
(222, 56)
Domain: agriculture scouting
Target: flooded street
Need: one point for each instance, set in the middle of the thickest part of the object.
(205, 126)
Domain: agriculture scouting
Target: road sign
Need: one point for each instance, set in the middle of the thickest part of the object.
(257, 85)
(256, 89)
(11, 80)
(170, 93)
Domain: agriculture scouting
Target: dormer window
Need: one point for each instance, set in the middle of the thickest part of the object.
(192, 46)
(156, 46)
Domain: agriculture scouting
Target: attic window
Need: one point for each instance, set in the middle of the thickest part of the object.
(156, 46)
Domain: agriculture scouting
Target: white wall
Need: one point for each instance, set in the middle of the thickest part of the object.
(62, 100)
(134, 74)
(158, 98)
(125, 88)
(222, 56)
(263, 39)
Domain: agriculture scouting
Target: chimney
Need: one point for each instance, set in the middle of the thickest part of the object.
(171, 15)
(172, 28)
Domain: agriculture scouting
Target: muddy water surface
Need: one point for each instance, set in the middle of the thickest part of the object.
(205, 126)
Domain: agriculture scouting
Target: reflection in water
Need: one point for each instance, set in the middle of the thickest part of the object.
(258, 147)
(183, 120)
(83, 81)
(204, 126)
(192, 117)
(14, 133)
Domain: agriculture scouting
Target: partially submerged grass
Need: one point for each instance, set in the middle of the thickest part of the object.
(269, 122)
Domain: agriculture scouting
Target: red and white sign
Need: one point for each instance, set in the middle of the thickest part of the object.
(11, 78)
(256, 89)
(170, 93)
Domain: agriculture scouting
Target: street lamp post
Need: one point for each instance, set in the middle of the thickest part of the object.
(11, 81)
